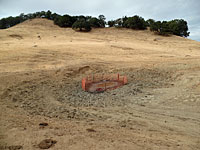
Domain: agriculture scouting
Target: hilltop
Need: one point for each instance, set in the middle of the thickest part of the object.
(41, 67)
(100, 45)
(82, 23)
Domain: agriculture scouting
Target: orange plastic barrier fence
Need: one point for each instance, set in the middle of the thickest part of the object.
(90, 80)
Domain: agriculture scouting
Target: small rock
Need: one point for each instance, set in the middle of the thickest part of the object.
(46, 144)
(43, 124)
(91, 130)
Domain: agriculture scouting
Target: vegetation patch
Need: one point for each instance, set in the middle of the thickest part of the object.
(177, 27)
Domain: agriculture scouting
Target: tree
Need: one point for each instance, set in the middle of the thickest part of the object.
(135, 22)
(124, 19)
(118, 22)
(81, 17)
(48, 15)
(161, 28)
(64, 21)
(165, 29)
(81, 25)
(179, 27)
(111, 23)
(22, 17)
(149, 22)
(54, 16)
(3, 23)
(102, 19)
(155, 26)
(94, 22)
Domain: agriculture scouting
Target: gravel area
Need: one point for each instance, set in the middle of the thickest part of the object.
(64, 97)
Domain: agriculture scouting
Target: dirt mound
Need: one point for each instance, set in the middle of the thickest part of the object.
(38, 22)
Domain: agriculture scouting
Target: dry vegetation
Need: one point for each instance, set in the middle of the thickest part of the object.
(41, 67)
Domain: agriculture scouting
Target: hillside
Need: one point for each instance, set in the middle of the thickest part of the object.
(41, 67)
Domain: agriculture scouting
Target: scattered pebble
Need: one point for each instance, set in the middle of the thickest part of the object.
(43, 124)
(91, 130)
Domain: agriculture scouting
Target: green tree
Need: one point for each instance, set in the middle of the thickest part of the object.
(48, 15)
(102, 19)
(135, 22)
(165, 29)
(94, 22)
(179, 27)
(81, 25)
(149, 22)
(111, 23)
(124, 19)
(155, 26)
(118, 22)
(64, 21)
(54, 16)
(3, 23)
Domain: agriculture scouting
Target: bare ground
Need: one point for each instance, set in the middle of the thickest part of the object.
(41, 67)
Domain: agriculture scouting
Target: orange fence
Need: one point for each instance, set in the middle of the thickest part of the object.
(103, 79)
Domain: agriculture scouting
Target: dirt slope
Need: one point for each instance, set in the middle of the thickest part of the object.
(41, 67)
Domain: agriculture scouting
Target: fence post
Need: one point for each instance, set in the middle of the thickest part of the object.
(125, 80)
(118, 77)
(83, 84)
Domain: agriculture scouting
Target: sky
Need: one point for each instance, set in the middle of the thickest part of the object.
(188, 10)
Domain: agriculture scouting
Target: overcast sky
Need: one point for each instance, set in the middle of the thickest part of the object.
(188, 10)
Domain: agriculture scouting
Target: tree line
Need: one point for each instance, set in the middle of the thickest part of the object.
(177, 27)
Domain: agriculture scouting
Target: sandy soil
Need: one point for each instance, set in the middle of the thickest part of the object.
(41, 67)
